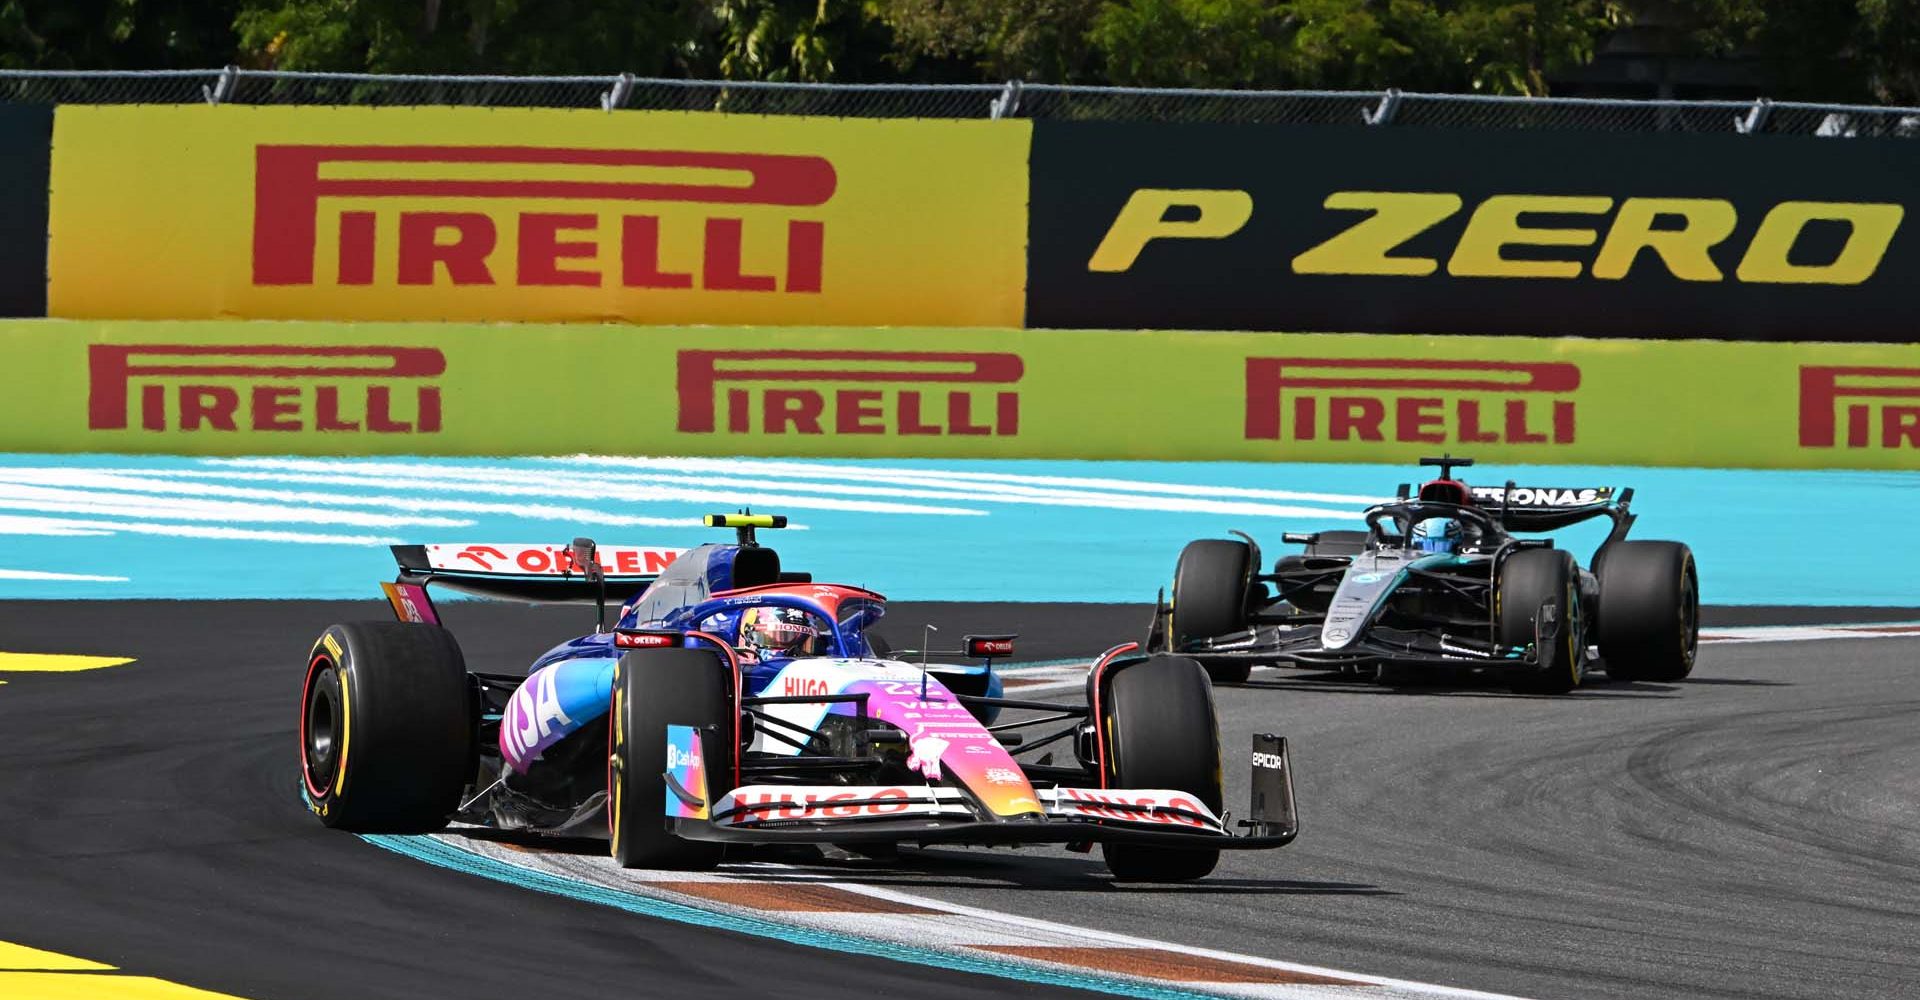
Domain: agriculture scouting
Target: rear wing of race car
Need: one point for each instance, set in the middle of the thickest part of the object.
(1550, 508)
(581, 572)
(547, 574)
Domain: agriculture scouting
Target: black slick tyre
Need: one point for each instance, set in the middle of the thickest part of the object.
(386, 727)
(654, 689)
(1162, 733)
(1210, 590)
(1530, 579)
(1649, 611)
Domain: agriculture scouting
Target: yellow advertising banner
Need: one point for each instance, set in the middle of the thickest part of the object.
(429, 389)
(535, 215)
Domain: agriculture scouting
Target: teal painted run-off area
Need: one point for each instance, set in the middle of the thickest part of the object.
(118, 526)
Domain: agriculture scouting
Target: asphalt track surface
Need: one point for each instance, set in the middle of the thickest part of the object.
(1754, 832)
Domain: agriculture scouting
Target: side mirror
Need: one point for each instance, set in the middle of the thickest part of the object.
(1300, 537)
(586, 558)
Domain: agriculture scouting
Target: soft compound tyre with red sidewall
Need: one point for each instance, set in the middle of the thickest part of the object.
(654, 689)
(1162, 732)
(1210, 591)
(1528, 579)
(386, 727)
(1649, 611)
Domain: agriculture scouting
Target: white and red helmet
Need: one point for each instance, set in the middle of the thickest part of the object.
(784, 632)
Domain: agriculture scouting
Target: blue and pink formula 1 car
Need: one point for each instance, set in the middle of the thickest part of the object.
(737, 702)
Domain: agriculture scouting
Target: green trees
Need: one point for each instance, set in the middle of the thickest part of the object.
(116, 34)
(798, 40)
(1835, 50)
(1858, 50)
(1495, 46)
(644, 37)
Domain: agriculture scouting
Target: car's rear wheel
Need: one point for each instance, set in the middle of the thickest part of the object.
(1210, 594)
(654, 689)
(1162, 733)
(386, 727)
(1533, 583)
(1649, 611)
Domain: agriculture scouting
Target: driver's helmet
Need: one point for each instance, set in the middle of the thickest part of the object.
(1437, 534)
(784, 632)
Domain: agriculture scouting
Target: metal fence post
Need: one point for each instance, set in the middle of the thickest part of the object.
(222, 88)
(1007, 103)
(617, 97)
(1756, 120)
(1382, 114)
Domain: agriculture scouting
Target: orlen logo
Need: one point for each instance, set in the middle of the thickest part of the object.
(550, 248)
(190, 387)
(615, 560)
(1822, 390)
(806, 392)
(1410, 400)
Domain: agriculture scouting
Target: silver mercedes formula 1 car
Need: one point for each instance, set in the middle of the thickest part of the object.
(1442, 578)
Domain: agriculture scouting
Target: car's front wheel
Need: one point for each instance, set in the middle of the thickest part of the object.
(1162, 733)
(1539, 596)
(654, 689)
(1210, 595)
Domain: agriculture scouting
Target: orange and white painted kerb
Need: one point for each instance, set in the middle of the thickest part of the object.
(810, 900)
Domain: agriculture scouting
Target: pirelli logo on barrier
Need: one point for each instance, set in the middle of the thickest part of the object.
(1411, 400)
(519, 389)
(550, 248)
(523, 215)
(1859, 407)
(896, 393)
(266, 387)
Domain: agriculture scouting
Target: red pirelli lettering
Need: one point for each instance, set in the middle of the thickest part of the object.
(789, 392)
(281, 392)
(1380, 400)
(288, 188)
(1826, 391)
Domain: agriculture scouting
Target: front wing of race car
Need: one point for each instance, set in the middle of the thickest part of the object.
(1304, 646)
(948, 814)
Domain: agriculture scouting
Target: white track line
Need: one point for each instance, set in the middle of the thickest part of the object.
(903, 485)
(34, 574)
(1804, 633)
(11, 524)
(971, 480)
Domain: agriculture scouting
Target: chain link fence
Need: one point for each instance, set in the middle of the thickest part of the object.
(1008, 100)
